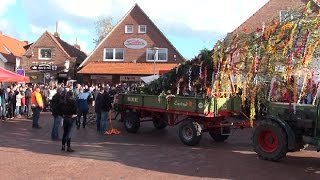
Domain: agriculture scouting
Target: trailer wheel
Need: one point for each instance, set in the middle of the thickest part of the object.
(216, 136)
(190, 133)
(131, 122)
(270, 141)
(160, 120)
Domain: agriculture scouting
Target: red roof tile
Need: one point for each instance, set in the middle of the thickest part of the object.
(125, 68)
(10, 45)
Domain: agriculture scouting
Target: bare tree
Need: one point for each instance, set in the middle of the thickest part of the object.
(103, 26)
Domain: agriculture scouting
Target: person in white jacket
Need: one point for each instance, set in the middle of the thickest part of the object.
(18, 104)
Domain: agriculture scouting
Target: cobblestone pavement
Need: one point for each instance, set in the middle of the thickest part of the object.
(27, 153)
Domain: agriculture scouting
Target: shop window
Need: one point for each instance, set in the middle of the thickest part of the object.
(45, 54)
(288, 15)
(129, 29)
(113, 54)
(159, 55)
(142, 28)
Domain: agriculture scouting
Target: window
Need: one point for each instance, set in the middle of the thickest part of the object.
(44, 53)
(142, 28)
(160, 55)
(129, 29)
(287, 15)
(113, 54)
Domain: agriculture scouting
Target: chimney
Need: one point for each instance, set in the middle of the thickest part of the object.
(76, 45)
(56, 34)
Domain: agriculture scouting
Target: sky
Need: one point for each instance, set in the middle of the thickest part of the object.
(188, 24)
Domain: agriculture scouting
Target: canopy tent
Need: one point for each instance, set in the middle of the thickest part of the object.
(8, 76)
(148, 79)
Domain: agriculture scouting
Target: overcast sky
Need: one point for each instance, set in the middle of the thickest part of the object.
(190, 25)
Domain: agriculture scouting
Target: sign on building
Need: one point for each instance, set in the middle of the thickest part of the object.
(102, 77)
(20, 71)
(130, 78)
(135, 43)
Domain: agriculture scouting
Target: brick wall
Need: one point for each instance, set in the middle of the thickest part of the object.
(153, 37)
(267, 13)
(58, 56)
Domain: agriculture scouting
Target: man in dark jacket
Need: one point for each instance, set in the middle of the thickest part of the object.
(106, 106)
(4, 102)
(69, 113)
(28, 101)
(57, 102)
(97, 106)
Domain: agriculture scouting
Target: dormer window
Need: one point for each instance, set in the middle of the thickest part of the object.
(288, 15)
(129, 28)
(45, 53)
(142, 28)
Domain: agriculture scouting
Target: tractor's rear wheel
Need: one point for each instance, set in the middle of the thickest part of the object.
(270, 141)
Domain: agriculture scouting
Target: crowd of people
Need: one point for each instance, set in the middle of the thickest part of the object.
(68, 104)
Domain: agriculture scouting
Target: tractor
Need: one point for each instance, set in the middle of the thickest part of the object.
(286, 127)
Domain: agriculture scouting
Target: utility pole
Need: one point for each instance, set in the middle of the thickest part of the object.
(155, 51)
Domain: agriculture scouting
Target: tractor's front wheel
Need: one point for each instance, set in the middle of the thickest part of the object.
(270, 141)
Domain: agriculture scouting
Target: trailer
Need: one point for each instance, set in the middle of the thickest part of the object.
(194, 115)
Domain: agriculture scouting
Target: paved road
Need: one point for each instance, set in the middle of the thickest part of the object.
(27, 153)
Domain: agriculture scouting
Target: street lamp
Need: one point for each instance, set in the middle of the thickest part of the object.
(155, 52)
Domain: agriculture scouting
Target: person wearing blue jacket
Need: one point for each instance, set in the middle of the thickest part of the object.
(83, 107)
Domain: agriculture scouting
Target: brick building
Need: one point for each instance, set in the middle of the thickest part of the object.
(58, 59)
(273, 9)
(11, 51)
(134, 48)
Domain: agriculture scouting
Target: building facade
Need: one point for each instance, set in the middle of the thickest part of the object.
(11, 52)
(273, 9)
(134, 48)
(51, 58)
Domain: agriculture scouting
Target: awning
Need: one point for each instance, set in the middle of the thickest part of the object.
(8, 76)
(148, 79)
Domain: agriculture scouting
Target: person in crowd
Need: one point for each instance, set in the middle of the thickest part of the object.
(97, 107)
(18, 104)
(4, 101)
(28, 94)
(76, 91)
(11, 103)
(56, 104)
(106, 106)
(37, 106)
(1, 102)
(45, 96)
(83, 107)
(69, 113)
(52, 92)
(23, 108)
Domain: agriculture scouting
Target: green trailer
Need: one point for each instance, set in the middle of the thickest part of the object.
(195, 115)
(286, 127)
